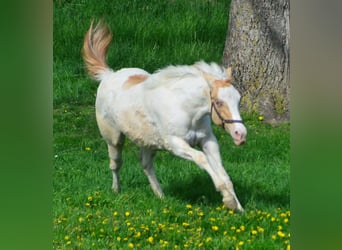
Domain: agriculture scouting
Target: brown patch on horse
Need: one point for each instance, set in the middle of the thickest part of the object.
(219, 84)
(134, 80)
(220, 106)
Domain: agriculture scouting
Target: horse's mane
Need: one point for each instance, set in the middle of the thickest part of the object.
(172, 72)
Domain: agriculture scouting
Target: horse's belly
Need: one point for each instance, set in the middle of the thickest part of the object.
(141, 130)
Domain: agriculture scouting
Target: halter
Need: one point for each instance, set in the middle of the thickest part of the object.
(224, 121)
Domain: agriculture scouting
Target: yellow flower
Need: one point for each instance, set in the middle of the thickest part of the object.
(254, 232)
(150, 239)
(127, 214)
(241, 243)
(185, 224)
(87, 148)
(188, 206)
(260, 118)
(130, 245)
(80, 219)
(67, 237)
(215, 228)
(208, 239)
(260, 229)
(115, 213)
(281, 234)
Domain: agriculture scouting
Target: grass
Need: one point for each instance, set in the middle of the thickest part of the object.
(86, 214)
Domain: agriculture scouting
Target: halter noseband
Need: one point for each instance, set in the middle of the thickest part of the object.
(224, 121)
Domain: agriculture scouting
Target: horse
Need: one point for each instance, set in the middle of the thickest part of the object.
(170, 109)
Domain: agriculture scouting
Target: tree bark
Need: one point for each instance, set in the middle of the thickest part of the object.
(257, 48)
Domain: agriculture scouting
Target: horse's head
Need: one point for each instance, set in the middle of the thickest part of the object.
(225, 100)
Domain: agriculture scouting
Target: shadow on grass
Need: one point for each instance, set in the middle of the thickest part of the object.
(201, 190)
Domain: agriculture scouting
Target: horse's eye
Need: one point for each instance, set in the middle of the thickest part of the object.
(219, 103)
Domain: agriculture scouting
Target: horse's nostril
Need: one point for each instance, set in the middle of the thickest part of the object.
(236, 132)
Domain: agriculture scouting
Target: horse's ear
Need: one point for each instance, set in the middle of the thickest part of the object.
(229, 73)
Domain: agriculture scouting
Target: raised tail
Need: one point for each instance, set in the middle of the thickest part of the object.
(95, 46)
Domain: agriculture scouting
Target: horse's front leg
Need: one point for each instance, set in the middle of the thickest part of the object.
(146, 158)
(211, 149)
(182, 149)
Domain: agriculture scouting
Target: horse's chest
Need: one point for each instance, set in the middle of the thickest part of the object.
(194, 137)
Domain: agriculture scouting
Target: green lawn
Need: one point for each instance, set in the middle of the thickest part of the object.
(86, 214)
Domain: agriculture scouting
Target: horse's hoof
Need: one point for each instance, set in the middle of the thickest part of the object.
(233, 204)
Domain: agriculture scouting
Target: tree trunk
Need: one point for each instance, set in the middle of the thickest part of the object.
(257, 48)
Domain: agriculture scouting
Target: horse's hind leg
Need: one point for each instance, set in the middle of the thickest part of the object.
(115, 160)
(115, 140)
(146, 158)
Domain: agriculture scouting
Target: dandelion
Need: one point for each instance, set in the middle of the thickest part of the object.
(254, 232)
(90, 198)
(188, 206)
(87, 148)
(115, 213)
(150, 239)
(241, 243)
(260, 229)
(130, 245)
(118, 238)
(281, 234)
(185, 224)
(215, 228)
(127, 214)
(260, 118)
(80, 219)
(67, 237)
(200, 214)
(208, 239)
(286, 220)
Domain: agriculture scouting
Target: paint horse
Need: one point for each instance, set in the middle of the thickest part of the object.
(168, 110)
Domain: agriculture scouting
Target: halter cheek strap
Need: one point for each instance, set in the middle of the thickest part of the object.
(224, 121)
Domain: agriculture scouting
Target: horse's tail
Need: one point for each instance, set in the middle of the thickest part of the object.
(95, 46)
